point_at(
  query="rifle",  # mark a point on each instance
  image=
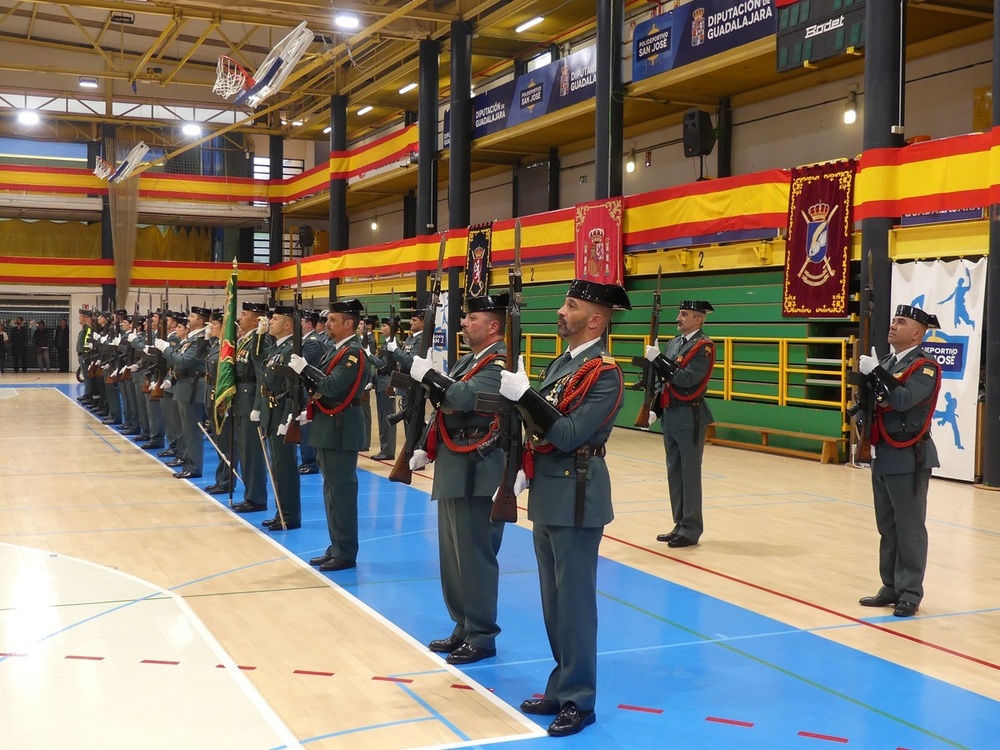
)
(160, 371)
(648, 371)
(416, 395)
(511, 438)
(862, 411)
(293, 434)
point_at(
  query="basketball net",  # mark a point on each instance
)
(230, 78)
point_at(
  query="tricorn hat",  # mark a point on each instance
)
(86, 311)
(179, 315)
(488, 303)
(204, 312)
(347, 306)
(217, 314)
(288, 310)
(256, 307)
(607, 295)
(915, 313)
(698, 305)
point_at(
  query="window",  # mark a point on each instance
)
(262, 240)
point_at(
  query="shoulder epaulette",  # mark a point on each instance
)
(607, 359)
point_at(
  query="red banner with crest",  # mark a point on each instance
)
(478, 260)
(599, 241)
(818, 251)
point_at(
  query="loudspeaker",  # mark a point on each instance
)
(305, 236)
(699, 135)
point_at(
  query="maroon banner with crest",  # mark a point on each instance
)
(818, 251)
(477, 260)
(599, 241)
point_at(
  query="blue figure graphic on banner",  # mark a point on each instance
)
(949, 415)
(962, 288)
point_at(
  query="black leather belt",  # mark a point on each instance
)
(469, 433)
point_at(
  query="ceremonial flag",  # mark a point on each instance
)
(225, 376)
(478, 261)
(599, 241)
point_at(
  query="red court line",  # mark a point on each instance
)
(733, 722)
(6, 654)
(392, 679)
(160, 661)
(310, 672)
(86, 658)
(238, 666)
(462, 687)
(643, 709)
(797, 600)
(829, 738)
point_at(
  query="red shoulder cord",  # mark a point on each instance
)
(442, 430)
(314, 401)
(577, 387)
(879, 432)
(671, 392)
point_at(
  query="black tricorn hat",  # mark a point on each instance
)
(915, 313)
(217, 314)
(607, 295)
(204, 312)
(353, 306)
(138, 320)
(288, 310)
(418, 313)
(179, 315)
(488, 303)
(372, 320)
(121, 311)
(698, 305)
(311, 315)
(86, 311)
(256, 307)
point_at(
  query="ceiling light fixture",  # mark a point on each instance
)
(88, 82)
(28, 117)
(407, 88)
(191, 129)
(327, 130)
(345, 20)
(297, 123)
(365, 110)
(528, 24)
(630, 164)
(851, 109)
(375, 224)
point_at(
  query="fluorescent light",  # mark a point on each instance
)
(326, 130)
(191, 129)
(365, 110)
(407, 88)
(28, 117)
(345, 20)
(528, 24)
(297, 123)
(88, 82)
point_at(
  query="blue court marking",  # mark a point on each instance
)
(103, 439)
(355, 730)
(661, 647)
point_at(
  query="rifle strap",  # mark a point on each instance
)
(315, 403)
(440, 429)
(670, 392)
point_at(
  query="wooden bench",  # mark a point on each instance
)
(829, 451)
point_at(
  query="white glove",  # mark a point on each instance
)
(303, 417)
(652, 351)
(418, 460)
(161, 344)
(255, 415)
(391, 345)
(419, 368)
(118, 340)
(133, 336)
(88, 346)
(521, 483)
(133, 368)
(369, 386)
(298, 363)
(262, 325)
(283, 427)
(652, 418)
(166, 383)
(866, 364)
(514, 384)
(147, 349)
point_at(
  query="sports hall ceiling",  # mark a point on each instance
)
(165, 53)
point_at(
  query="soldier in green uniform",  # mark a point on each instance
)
(385, 398)
(277, 412)
(224, 438)
(684, 369)
(310, 319)
(463, 444)
(905, 385)
(136, 341)
(250, 348)
(338, 429)
(187, 358)
(404, 357)
(174, 435)
(571, 416)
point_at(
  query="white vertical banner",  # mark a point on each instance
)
(954, 291)
(438, 352)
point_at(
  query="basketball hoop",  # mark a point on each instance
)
(231, 77)
(102, 169)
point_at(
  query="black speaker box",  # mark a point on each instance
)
(699, 135)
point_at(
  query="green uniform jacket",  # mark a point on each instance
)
(910, 406)
(451, 468)
(679, 415)
(552, 496)
(187, 359)
(247, 362)
(277, 390)
(344, 431)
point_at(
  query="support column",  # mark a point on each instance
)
(276, 171)
(724, 153)
(339, 220)
(554, 171)
(608, 127)
(883, 128)
(427, 156)
(989, 451)
(459, 163)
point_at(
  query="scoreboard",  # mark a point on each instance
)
(814, 30)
